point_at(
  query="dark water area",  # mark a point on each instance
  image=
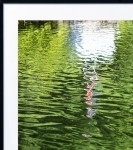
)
(75, 85)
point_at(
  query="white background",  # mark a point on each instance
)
(15, 12)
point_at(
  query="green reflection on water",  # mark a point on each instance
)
(52, 113)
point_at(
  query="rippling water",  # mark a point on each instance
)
(75, 85)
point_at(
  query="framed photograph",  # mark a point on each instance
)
(68, 76)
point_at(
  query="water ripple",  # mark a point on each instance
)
(75, 85)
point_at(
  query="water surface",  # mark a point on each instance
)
(58, 61)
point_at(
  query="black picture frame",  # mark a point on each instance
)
(1, 78)
(2, 40)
